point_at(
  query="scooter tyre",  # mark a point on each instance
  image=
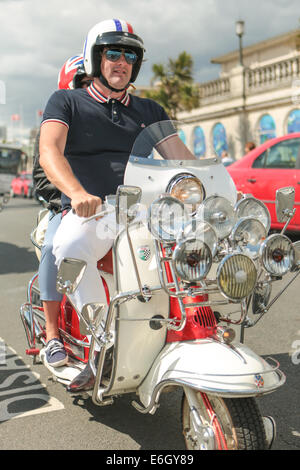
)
(238, 423)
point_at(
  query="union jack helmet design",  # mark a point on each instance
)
(113, 32)
(71, 73)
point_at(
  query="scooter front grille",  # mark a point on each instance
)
(200, 321)
(204, 316)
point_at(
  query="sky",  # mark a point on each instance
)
(36, 38)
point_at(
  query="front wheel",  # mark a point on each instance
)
(234, 423)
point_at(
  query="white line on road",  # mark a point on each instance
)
(10, 376)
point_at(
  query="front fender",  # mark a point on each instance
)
(212, 367)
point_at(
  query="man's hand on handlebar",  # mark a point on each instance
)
(85, 204)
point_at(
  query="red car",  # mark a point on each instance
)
(22, 185)
(273, 165)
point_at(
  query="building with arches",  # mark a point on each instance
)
(253, 102)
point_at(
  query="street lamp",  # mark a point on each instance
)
(240, 29)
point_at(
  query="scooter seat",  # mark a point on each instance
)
(106, 263)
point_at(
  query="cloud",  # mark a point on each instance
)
(37, 37)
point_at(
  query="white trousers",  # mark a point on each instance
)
(88, 242)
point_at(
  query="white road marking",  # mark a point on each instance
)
(14, 371)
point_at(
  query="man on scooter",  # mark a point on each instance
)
(86, 139)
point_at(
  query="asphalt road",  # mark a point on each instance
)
(37, 414)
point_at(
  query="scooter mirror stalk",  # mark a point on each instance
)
(69, 275)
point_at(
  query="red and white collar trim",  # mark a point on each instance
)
(98, 96)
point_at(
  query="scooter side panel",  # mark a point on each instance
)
(212, 367)
(138, 342)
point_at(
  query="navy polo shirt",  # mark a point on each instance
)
(101, 134)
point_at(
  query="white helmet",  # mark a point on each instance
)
(111, 33)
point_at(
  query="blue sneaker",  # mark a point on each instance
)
(56, 355)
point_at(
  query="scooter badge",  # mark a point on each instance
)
(258, 380)
(144, 252)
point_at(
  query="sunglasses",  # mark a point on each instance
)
(113, 55)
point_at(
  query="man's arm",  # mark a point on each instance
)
(58, 170)
(172, 148)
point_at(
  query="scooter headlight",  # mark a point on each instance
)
(192, 260)
(200, 230)
(167, 217)
(249, 233)
(188, 189)
(251, 207)
(219, 213)
(236, 276)
(277, 254)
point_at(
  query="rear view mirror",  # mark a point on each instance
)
(127, 197)
(69, 275)
(285, 199)
(92, 314)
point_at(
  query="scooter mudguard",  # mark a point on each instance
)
(228, 370)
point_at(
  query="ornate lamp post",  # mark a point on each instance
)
(240, 29)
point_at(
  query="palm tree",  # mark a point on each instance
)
(174, 89)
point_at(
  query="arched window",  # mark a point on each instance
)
(267, 128)
(199, 142)
(293, 123)
(182, 136)
(219, 139)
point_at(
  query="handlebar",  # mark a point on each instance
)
(98, 215)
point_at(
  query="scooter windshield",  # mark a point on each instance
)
(161, 141)
(159, 157)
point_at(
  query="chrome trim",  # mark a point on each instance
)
(180, 176)
(223, 392)
(274, 202)
(70, 338)
(28, 324)
(30, 285)
(32, 239)
(267, 308)
(174, 163)
(204, 430)
(142, 291)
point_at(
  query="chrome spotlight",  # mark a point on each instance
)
(236, 276)
(248, 234)
(218, 212)
(277, 254)
(251, 207)
(200, 230)
(188, 189)
(192, 260)
(167, 216)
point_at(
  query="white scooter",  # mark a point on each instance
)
(187, 261)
